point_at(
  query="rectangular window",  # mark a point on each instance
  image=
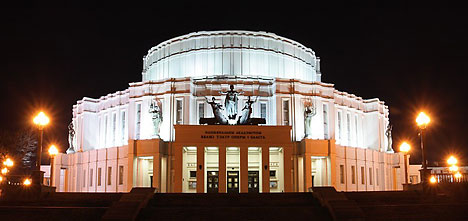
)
(114, 128)
(339, 126)
(377, 176)
(363, 177)
(325, 121)
(138, 121)
(99, 132)
(285, 112)
(90, 177)
(121, 174)
(84, 178)
(123, 131)
(356, 130)
(105, 131)
(370, 176)
(201, 110)
(179, 111)
(99, 176)
(348, 127)
(353, 174)
(342, 176)
(109, 176)
(263, 110)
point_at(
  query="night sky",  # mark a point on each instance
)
(413, 59)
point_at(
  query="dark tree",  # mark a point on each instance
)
(21, 147)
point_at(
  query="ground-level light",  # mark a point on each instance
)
(27, 182)
(433, 179)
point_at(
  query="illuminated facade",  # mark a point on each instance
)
(150, 134)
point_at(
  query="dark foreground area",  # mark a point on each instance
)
(323, 204)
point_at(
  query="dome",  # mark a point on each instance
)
(245, 53)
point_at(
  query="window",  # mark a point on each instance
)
(201, 110)
(84, 178)
(263, 110)
(105, 131)
(114, 127)
(363, 179)
(356, 130)
(121, 174)
(353, 174)
(285, 112)
(377, 176)
(109, 176)
(342, 176)
(325, 121)
(90, 177)
(99, 177)
(339, 126)
(179, 111)
(123, 131)
(99, 132)
(138, 121)
(272, 173)
(370, 176)
(348, 128)
(193, 174)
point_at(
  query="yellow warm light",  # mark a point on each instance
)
(27, 182)
(433, 179)
(453, 168)
(458, 175)
(41, 119)
(1, 178)
(53, 151)
(452, 160)
(8, 162)
(4, 170)
(405, 147)
(423, 120)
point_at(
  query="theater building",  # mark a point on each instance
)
(229, 111)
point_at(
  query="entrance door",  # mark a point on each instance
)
(253, 182)
(212, 182)
(233, 181)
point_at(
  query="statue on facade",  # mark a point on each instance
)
(246, 112)
(218, 110)
(230, 102)
(71, 137)
(156, 116)
(309, 112)
(388, 133)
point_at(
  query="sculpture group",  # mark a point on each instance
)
(228, 114)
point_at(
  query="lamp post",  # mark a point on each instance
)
(41, 120)
(53, 151)
(423, 120)
(405, 148)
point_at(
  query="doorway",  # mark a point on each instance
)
(253, 182)
(212, 182)
(233, 181)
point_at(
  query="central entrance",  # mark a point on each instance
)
(212, 182)
(233, 182)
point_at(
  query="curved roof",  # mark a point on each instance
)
(247, 53)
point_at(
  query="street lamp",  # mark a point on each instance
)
(452, 161)
(41, 120)
(423, 120)
(405, 148)
(53, 151)
(8, 162)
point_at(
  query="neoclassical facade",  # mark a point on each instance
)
(229, 111)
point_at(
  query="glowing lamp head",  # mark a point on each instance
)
(452, 160)
(4, 171)
(1, 179)
(8, 162)
(53, 151)
(27, 182)
(41, 119)
(422, 120)
(458, 175)
(453, 168)
(433, 179)
(405, 147)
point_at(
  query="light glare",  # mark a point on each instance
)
(405, 147)
(423, 120)
(53, 151)
(432, 179)
(452, 160)
(41, 119)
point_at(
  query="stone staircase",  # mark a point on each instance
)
(263, 206)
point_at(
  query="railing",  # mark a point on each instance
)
(450, 178)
